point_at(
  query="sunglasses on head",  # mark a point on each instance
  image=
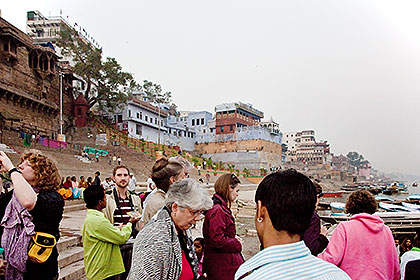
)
(234, 179)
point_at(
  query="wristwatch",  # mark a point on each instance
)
(14, 169)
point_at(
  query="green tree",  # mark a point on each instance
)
(154, 93)
(356, 160)
(105, 83)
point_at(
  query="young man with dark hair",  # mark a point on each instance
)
(102, 240)
(285, 203)
(97, 180)
(121, 208)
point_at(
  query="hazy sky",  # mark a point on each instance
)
(350, 70)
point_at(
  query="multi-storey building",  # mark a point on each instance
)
(45, 31)
(230, 116)
(29, 83)
(142, 120)
(183, 130)
(271, 126)
(302, 147)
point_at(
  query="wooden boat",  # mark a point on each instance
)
(337, 205)
(384, 198)
(393, 207)
(340, 214)
(333, 194)
(414, 197)
(411, 205)
(350, 188)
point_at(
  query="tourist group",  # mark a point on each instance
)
(126, 236)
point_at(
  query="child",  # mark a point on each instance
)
(101, 239)
(199, 247)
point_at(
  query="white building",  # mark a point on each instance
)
(302, 147)
(142, 120)
(184, 130)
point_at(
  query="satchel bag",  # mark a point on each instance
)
(40, 247)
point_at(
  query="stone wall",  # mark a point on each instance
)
(251, 154)
(29, 82)
(234, 146)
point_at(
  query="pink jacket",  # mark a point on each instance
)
(364, 248)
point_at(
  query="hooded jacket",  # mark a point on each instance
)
(364, 248)
(222, 251)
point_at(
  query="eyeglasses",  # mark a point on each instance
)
(197, 213)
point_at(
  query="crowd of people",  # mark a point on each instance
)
(73, 189)
(127, 236)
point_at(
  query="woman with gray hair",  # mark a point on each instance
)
(163, 249)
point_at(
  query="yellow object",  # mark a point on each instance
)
(65, 193)
(40, 247)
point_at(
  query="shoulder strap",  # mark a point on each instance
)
(130, 200)
(117, 199)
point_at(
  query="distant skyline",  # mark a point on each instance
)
(350, 70)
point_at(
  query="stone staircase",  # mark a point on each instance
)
(70, 260)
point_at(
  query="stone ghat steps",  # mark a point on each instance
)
(70, 260)
(75, 207)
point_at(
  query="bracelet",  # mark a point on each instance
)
(14, 169)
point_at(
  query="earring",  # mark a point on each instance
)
(259, 220)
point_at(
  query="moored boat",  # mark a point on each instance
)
(384, 198)
(414, 197)
(337, 205)
(410, 205)
(394, 208)
(333, 194)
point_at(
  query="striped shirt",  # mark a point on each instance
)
(120, 215)
(289, 261)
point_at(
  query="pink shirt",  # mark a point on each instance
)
(186, 273)
(364, 248)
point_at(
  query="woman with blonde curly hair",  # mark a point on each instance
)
(33, 207)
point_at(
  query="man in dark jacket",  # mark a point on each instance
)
(97, 180)
(315, 236)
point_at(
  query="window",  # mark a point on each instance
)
(202, 121)
(185, 134)
(141, 115)
(197, 121)
(204, 131)
(193, 122)
(231, 127)
(129, 113)
(151, 120)
(221, 129)
(161, 122)
(155, 120)
(138, 129)
(138, 115)
(146, 118)
(119, 118)
(6, 46)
